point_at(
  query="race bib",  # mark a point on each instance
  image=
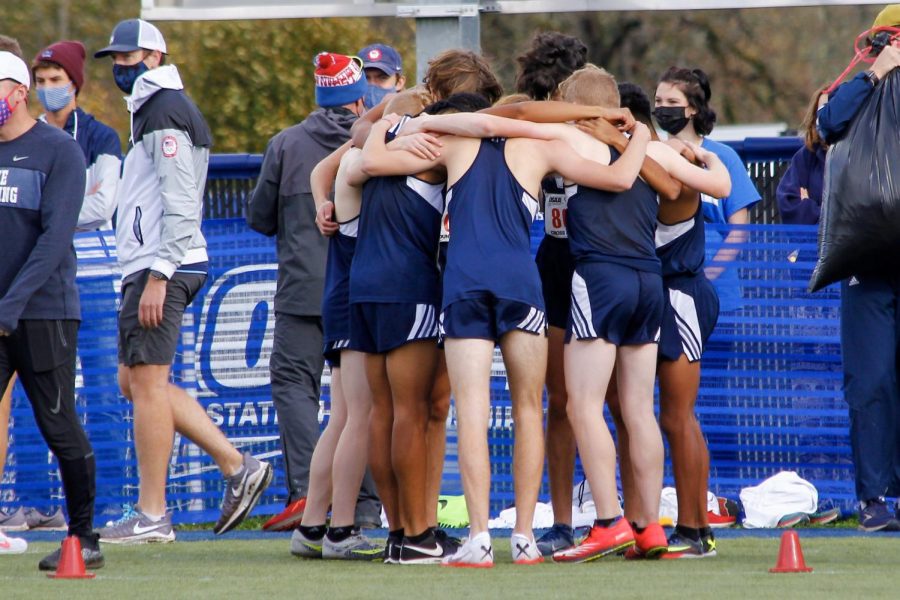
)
(555, 206)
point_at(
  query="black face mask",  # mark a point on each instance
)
(671, 119)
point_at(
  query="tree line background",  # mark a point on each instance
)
(253, 78)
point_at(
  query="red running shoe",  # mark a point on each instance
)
(599, 542)
(650, 543)
(287, 519)
(728, 511)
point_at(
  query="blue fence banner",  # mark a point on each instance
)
(770, 396)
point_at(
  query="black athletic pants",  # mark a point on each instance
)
(43, 354)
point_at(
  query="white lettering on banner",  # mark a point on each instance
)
(9, 195)
(242, 414)
(4, 175)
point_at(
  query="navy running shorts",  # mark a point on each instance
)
(556, 267)
(690, 312)
(379, 327)
(616, 303)
(490, 318)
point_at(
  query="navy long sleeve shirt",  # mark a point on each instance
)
(834, 118)
(807, 170)
(42, 179)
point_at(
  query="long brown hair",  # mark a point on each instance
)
(811, 138)
(457, 70)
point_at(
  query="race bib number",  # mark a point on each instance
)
(555, 207)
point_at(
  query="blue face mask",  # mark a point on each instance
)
(374, 95)
(126, 75)
(55, 99)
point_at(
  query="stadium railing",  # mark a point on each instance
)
(770, 396)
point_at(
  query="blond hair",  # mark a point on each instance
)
(407, 102)
(590, 86)
(512, 99)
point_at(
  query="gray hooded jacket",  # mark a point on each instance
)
(282, 205)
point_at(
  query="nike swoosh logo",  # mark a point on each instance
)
(236, 492)
(55, 411)
(437, 551)
(5, 544)
(18, 158)
(138, 530)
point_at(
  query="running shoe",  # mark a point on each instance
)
(427, 552)
(727, 515)
(14, 521)
(709, 545)
(242, 492)
(355, 547)
(525, 551)
(681, 546)
(392, 550)
(52, 522)
(305, 547)
(823, 517)
(11, 545)
(476, 552)
(649, 544)
(559, 537)
(797, 518)
(90, 553)
(287, 519)
(449, 543)
(599, 542)
(874, 515)
(452, 512)
(137, 528)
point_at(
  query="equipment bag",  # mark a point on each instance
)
(859, 230)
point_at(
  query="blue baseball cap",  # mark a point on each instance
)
(131, 35)
(381, 57)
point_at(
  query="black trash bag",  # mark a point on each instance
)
(859, 230)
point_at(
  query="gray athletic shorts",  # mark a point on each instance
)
(139, 346)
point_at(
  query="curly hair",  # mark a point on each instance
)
(694, 84)
(634, 98)
(458, 103)
(553, 56)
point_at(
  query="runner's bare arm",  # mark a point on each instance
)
(321, 183)
(551, 111)
(617, 177)
(378, 161)
(713, 180)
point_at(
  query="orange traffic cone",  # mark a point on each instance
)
(790, 556)
(71, 563)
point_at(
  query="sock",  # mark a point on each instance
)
(396, 535)
(706, 532)
(636, 528)
(688, 532)
(418, 539)
(154, 518)
(339, 534)
(238, 473)
(605, 522)
(313, 532)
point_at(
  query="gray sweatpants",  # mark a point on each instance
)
(296, 369)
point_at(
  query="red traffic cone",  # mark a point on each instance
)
(71, 563)
(790, 556)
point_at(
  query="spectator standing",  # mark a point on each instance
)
(163, 258)
(799, 192)
(41, 189)
(383, 67)
(870, 327)
(282, 205)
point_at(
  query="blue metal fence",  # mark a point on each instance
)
(770, 396)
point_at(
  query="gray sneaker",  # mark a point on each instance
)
(304, 547)
(14, 521)
(52, 522)
(355, 547)
(136, 528)
(242, 492)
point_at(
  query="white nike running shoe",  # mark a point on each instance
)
(524, 550)
(11, 545)
(137, 528)
(476, 552)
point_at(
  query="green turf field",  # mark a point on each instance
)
(844, 567)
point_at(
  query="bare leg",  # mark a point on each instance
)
(318, 495)
(411, 370)
(636, 373)
(560, 439)
(381, 424)
(5, 407)
(469, 366)
(626, 474)
(194, 423)
(589, 364)
(525, 356)
(154, 430)
(679, 382)
(352, 448)
(436, 438)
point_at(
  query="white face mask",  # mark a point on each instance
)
(54, 99)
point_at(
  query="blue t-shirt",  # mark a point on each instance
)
(718, 211)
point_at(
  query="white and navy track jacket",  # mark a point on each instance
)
(160, 195)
